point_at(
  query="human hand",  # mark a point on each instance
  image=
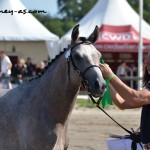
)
(106, 70)
(138, 129)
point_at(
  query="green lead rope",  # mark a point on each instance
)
(106, 99)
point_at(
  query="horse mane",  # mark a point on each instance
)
(83, 39)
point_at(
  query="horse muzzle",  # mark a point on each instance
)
(97, 89)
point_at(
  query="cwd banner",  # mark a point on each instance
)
(119, 38)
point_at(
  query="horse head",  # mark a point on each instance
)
(85, 59)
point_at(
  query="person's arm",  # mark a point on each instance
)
(9, 66)
(132, 97)
(118, 100)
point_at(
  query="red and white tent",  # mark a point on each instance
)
(120, 39)
(118, 25)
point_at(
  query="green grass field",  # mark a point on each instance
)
(84, 103)
(89, 104)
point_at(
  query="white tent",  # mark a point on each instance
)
(111, 13)
(17, 28)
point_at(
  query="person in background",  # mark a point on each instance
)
(40, 69)
(134, 71)
(30, 68)
(6, 66)
(127, 98)
(19, 71)
(122, 70)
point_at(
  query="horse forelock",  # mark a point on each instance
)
(83, 39)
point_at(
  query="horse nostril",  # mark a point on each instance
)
(104, 87)
(96, 85)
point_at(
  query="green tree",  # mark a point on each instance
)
(74, 9)
(55, 25)
(146, 8)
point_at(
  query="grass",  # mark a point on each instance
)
(84, 103)
(89, 104)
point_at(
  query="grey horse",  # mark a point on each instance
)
(35, 115)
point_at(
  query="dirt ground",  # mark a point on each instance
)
(89, 128)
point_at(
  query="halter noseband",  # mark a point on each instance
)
(82, 74)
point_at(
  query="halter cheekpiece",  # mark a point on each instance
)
(70, 59)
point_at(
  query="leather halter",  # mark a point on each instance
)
(82, 74)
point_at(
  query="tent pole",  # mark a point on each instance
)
(140, 49)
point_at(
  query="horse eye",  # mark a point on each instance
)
(77, 56)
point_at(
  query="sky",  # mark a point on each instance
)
(48, 5)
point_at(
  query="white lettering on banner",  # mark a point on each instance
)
(117, 46)
(121, 47)
(124, 36)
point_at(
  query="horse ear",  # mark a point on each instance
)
(75, 34)
(94, 36)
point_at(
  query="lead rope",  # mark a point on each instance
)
(133, 135)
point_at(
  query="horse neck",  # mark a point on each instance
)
(60, 92)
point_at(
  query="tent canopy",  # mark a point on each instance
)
(17, 26)
(119, 38)
(117, 19)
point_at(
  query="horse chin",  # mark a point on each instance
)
(96, 94)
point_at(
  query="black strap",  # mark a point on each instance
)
(76, 68)
(134, 136)
(97, 105)
(88, 69)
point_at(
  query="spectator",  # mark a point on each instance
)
(30, 68)
(122, 70)
(40, 69)
(19, 71)
(134, 69)
(134, 73)
(6, 66)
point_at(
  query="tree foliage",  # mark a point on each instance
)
(146, 8)
(71, 11)
(56, 25)
(74, 9)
